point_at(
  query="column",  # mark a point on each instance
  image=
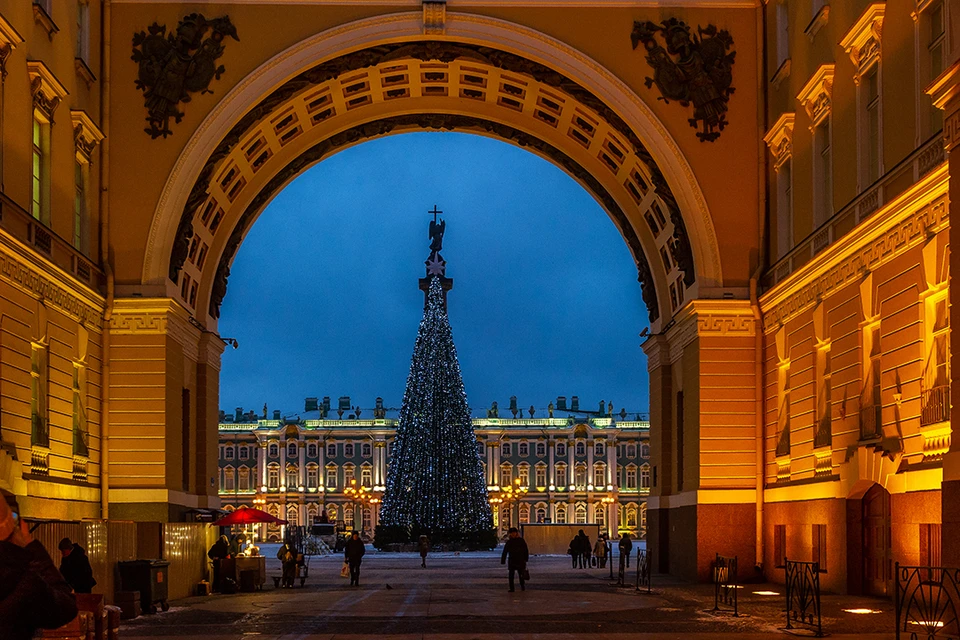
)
(302, 461)
(551, 476)
(590, 445)
(571, 470)
(490, 464)
(321, 474)
(262, 463)
(945, 92)
(611, 462)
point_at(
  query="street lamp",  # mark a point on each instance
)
(509, 495)
(361, 495)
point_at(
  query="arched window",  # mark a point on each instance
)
(644, 450)
(541, 449)
(505, 513)
(541, 476)
(581, 449)
(561, 513)
(244, 483)
(599, 476)
(243, 452)
(229, 477)
(480, 448)
(331, 476)
(348, 516)
(229, 507)
(600, 514)
(348, 449)
(273, 475)
(561, 449)
(631, 476)
(366, 450)
(292, 515)
(598, 448)
(631, 451)
(524, 513)
(541, 513)
(506, 474)
(523, 474)
(312, 450)
(312, 511)
(292, 449)
(291, 477)
(228, 452)
(331, 449)
(580, 513)
(367, 522)
(313, 473)
(349, 474)
(632, 516)
(560, 472)
(274, 450)
(643, 517)
(366, 475)
(580, 476)
(331, 512)
(505, 449)
(523, 449)
(645, 476)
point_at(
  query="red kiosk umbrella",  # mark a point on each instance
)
(248, 515)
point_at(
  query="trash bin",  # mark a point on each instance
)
(150, 578)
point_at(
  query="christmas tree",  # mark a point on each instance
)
(435, 480)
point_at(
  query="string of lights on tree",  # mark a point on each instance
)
(435, 479)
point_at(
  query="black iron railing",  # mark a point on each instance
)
(725, 584)
(927, 600)
(824, 435)
(870, 421)
(643, 571)
(935, 404)
(803, 596)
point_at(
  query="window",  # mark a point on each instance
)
(524, 513)
(83, 30)
(935, 386)
(631, 451)
(819, 546)
(643, 516)
(506, 475)
(292, 480)
(871, 403)
(229, 478)
(312, 450)
(80, 206)
(645, 450)
(367, 519)
(228, 453)
(779, 545)
(600, 514)
(244, 452)
(505, 449)
(541, 475)
(631, 516)
(348, 517)
(541, 449)
(783, 411)
(39, 387)
(523, 473)
(348, 450)
(580, 513)
(561, 449)
(931, 554)
(822, 173)
(331, 512)
(366, 476)
(581, 449)
(40, 191)
(274, 450)
(273, 476)
(366, 450)
(785, 207)
(332, 450)
(580, 476)
(332, 477)
(541, 513)
(560, 474)
(523, 449)
(291, 449)
(80, 435)
(561, 514)
(869, 89)
(619, 477)
(631, 477)
(599, 475)
(349, 475)
(823, 436)
(313, 473)
(931, 46)
(783, 33)
(598, 449)
(645, 476)
(244, 483)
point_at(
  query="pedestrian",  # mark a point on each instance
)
(574, 550)
(287, 556)
(626, 547)
(353, 553)
(424, 544)
(584, 549)
(75, 566)
(600, 552)
(33, 594)
(516, 549)
(218, 553)
(236, 545)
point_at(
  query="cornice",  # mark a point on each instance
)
(817, 95)
(780, 138)
(156, 316)
(862, 41)
(86, 134)
(48, 92)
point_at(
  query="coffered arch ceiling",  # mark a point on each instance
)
(416, 84)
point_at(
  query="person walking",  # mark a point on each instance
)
(353, 554)
(424, 544)
(287, 556)
(584, 550)
(75, 566)
(600, 552)
(218, 553)
(516, 549)
(33, 594)
(574, 550)
(626, 547)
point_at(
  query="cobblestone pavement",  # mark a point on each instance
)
(466, 597)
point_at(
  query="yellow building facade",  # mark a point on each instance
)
(791, 237)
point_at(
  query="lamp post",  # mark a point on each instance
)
(360, 495)
(508, 495)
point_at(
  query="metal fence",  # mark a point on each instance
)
(643, 571)
(803, 596)
(725, 584)
(926, 600)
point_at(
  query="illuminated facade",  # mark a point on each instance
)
(592, 470)
(799, 348)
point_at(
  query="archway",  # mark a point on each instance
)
(382, 76)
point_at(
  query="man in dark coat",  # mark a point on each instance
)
(33, 594)
(75, 566)
(219, 552)
(584, 549)
(353, 555)
(516, 549)
(287, 555)
(626, 547)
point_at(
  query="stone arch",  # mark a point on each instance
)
(605, 125)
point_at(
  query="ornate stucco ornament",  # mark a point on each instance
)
(701, 73)
(172, 66)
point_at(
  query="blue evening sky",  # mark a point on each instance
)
(323, 294)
